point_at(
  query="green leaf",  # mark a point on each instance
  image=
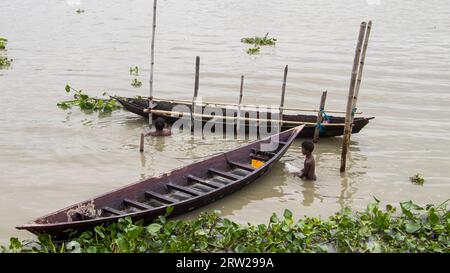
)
(274, 218)
(122, 244)
(99, 231)
(287, 214)
(240, 249)
(73, 247)
(154, 228)
(15, 244)
(434, 218)
(168, 211)
(412, 227)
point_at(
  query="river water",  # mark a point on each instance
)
(50, 158)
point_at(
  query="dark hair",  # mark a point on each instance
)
(308, 145)
(159, 124)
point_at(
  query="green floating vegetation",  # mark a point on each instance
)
(253, 50)
(3, 42)
(80, 11)
(257, 42)
(136, 83)
(260, 41)
(5, 62)
(134, 71)
(417, 179)
(413, 229)
(85, 102)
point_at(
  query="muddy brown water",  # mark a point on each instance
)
(50, 158)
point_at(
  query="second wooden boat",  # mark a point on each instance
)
(184, 189)
(334, 127)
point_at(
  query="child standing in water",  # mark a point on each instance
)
(159, 129)
(309, 168)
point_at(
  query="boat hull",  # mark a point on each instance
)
(61, 224)
(137, 107)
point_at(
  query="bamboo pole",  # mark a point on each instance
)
(194, 98)
(141, 145)
(243, 106)
(361, 64)
(241, 92)
(180, 114)
(348, 114)
(283, 93)
(152, 63)
(320, 117)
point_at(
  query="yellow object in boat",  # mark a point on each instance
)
(256, 163)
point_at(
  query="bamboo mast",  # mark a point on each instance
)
(320, 117)
(152, 63)
(241, 92)
(361, 65)
(348, 115)
(194, 98)
(283, 93)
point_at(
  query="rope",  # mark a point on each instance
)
(325, 117)
(321, 127)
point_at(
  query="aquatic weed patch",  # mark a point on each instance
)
(412, 229)
(136, 83)
(417, 179)
(84, 102)
(257, 42)
(3, 42)
(5, 62)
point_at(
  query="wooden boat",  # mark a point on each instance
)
(184, 189)
(335, 126)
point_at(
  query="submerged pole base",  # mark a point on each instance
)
(141, 145)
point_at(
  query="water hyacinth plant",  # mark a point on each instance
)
(257, 42)
(85, 102)
(134, 71)
(253, 50)
(5, 62)
(413, 228)
(417, 179)
(260, 41)
(3, 42)
(136, 83)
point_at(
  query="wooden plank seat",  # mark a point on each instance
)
(112, 211)
(183, 189)
(246, 167)
(137, 204)
(256, 151)
(160, 197)
(202, 181)
(225, 174)
(258, 157)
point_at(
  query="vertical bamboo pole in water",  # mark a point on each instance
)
(241, 92)
(141, 145)
(194, 98)
(152, 62)
(349, 110)
(283, 93)
(361, 64)
(320, 117)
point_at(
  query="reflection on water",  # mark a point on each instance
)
(51, 158)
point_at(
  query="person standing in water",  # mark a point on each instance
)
(309, 167)
(159, 129)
